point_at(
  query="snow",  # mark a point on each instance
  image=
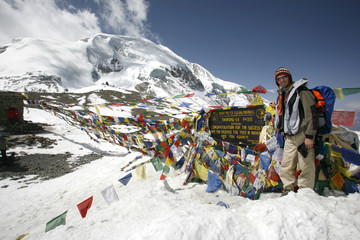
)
(147, 209)
(119, 61)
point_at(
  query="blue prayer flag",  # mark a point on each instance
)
(265, 162)
(349, 186)
(350, 156)
(125, 179)
(214, 182)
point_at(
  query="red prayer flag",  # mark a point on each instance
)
(166, 153)
(343, 118)
(216, 107)
(85, 206)
(259, 89)
(117, 104)
(163, 176)
(251, 177)
(190, 95)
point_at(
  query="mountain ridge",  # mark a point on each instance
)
(136, 64)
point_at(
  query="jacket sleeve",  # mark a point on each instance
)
(308, 103)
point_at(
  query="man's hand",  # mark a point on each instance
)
(309, 143)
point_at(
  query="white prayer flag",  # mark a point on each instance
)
(110, 195)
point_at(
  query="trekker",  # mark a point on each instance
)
(294, 120)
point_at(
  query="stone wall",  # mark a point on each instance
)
(10, 100)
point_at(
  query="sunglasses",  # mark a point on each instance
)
(281, 78)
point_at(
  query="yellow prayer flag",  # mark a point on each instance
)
(333, 153)
(168, 161)
(338, 93)
(98, 113)
(273, 183)
(257, 100)
(200, 172)
(338, 181)
(140, 172)
(208, 148)
(345, 172)
(270, 110)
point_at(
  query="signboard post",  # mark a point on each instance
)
(237, 126)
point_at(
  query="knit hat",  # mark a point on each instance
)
(282, 71)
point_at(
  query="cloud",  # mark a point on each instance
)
(71, 20)
(124, 17)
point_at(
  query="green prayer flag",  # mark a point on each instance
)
(59, 220)
(348, 91)
(157, 164)
(247, 186)
(179, 96)
(244, 91)
(166, 169)
(159, 148)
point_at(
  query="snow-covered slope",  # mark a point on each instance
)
(147, 209)
(135, 64)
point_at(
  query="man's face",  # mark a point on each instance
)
(283, 81)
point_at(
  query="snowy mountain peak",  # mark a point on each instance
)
(130, 63)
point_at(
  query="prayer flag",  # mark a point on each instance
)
(214, 182)
(251, 178)
(85, 206)
(185, 104)
(179, 96)
(98, 113)
(343, 118)
(348, 91)
(259, 89)
(257, 100)
(335, 150)
(338, 180)
(189, 95)
(201, 172)
(159, 99)
(142, 105)
(126, 179)
(223, 204)
(350, 187)
(163, 176)
(350, 156)
(156, 163)
(110, 195)
(250, 194)
(140, 172)
(265, 162)
(180, 163)
(170, 158)
(159, 148)
(232, 149)
(166, 169)
(59, 220)
(338, 93)
(272, 174)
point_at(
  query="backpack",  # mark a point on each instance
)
(325, 101)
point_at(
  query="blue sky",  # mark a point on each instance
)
(240, 41)
(245, 41)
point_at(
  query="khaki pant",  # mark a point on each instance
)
(291, 159)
